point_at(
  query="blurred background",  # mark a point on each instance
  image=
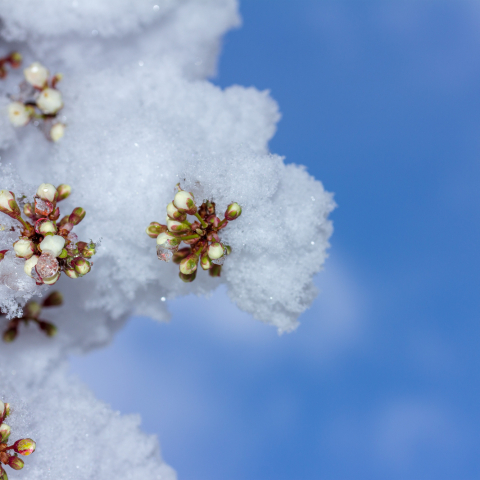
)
(381, 102)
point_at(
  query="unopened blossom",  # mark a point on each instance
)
(51, 280)
(53, 244)
(201, 234)
(45, 227)
(7, 202)
(184, 202)
(24, 248)
(234, 210)
(5, 431)
(57, 132)
(46, 191)
(30, 264)
(174, 213)
(36, 74)
(215, 251)
(18, 114)
(50, 101)
(25, 446)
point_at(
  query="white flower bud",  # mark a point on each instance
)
(174, 214)
(234, 210)
(46, 191)
(29, 264)
(57, 132)
(189, 264)
(18, 114)
(177, 227)
(24, 248)
(51, 280)
(47, 227)
(53, 244)
(5, 197)
(168, 241)
(50, 101)
(184, 202)
(215, 250)
(36, 74)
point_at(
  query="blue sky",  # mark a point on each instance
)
(381, 101)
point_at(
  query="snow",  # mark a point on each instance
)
(141, 116)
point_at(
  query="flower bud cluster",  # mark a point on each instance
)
(9, 453)
(31, 313)
(201, 234)
(14, 59)
(48, 244)
(39, 100)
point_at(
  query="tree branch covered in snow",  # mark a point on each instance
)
(142, 117)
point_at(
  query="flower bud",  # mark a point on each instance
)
(189, 264)
(168, 241)
(30, 264)
(52, 244)
(81, 266)
(53, 300)
(18, 114)
(24, 248)
(2, 409)
(175, 214)
(64, 191)
(24, 446)
(29, 210)
(77, 216)
(155, 229)
(51, 280)
(5, 431)
(48, 328)
(187, 278)
(215, 250)
(7, 409)
(45, 227)
(205, 261)
(15, 59)
(15, 463)
(233, 211)
(3, 474)
(9, 335)
(57, 131)
(2, 254)
(46, 191)
(36, 74)
(215, 271)
(70, 272)
(184, 202)
(8, 204)
(177, 227)
(181, 254)
(50, 101)
(88, 251)
(32, 310)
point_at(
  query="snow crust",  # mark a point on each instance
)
(141, 116)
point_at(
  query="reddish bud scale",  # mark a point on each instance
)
(77, 216)
(15, 463)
